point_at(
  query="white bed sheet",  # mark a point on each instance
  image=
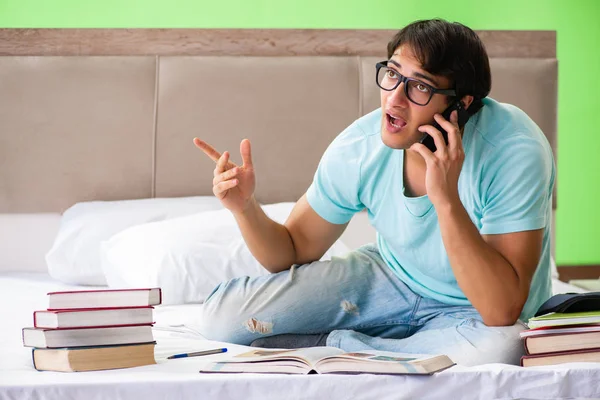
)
(23, 293)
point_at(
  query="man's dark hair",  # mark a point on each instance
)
(452, 50)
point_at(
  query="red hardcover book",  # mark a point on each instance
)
(104, 298)
(93, 317)
(590, 355)
(559, 342)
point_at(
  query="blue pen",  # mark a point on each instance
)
(198, 353)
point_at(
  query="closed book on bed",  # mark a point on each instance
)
(549, 341)
(564, 319)
(590, 355)
(93, 317)
(104, 298)
(93, 358)
(81, 337)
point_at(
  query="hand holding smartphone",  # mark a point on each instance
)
(463, 117)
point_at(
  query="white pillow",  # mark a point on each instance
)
(189, 256)
(75, 256)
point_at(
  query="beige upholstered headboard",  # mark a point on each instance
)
(110, 114)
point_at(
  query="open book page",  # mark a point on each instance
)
(295, 361)
(384, 362)
(308, 356)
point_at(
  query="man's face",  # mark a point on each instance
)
(401, 117)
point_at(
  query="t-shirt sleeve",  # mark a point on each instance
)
(517, 186)
(334, 192)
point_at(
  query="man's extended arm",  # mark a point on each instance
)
(304, 237)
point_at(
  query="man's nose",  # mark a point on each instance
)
(398, 96)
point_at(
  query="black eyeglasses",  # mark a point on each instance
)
(416, 91)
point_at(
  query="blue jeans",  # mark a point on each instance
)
(363, 304)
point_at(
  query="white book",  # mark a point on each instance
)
(104, 298)
(95, 317)
(80, 337)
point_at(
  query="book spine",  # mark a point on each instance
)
(33, 358)
(23, 336)
(525, 345)
(35, 319)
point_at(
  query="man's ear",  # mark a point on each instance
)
(466, 101)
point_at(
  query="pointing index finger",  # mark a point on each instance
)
(207, 149)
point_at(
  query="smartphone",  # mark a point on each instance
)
(463, 117)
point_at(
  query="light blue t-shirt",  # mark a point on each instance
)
(505, 186)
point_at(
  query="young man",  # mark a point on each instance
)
(463, 244)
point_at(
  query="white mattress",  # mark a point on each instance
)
(23, 293)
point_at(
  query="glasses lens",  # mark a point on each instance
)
(418, 92)
(387, 78)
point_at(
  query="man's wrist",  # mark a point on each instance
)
(248, 210)
(448, 206)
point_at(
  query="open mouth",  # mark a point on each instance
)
(396, 122)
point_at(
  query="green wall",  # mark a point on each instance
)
(576, 21)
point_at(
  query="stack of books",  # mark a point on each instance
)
(94, 330)
(558, 338)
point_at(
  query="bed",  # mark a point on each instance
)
(88, 115)
(23, 292)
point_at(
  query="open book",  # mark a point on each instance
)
(325, 360)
